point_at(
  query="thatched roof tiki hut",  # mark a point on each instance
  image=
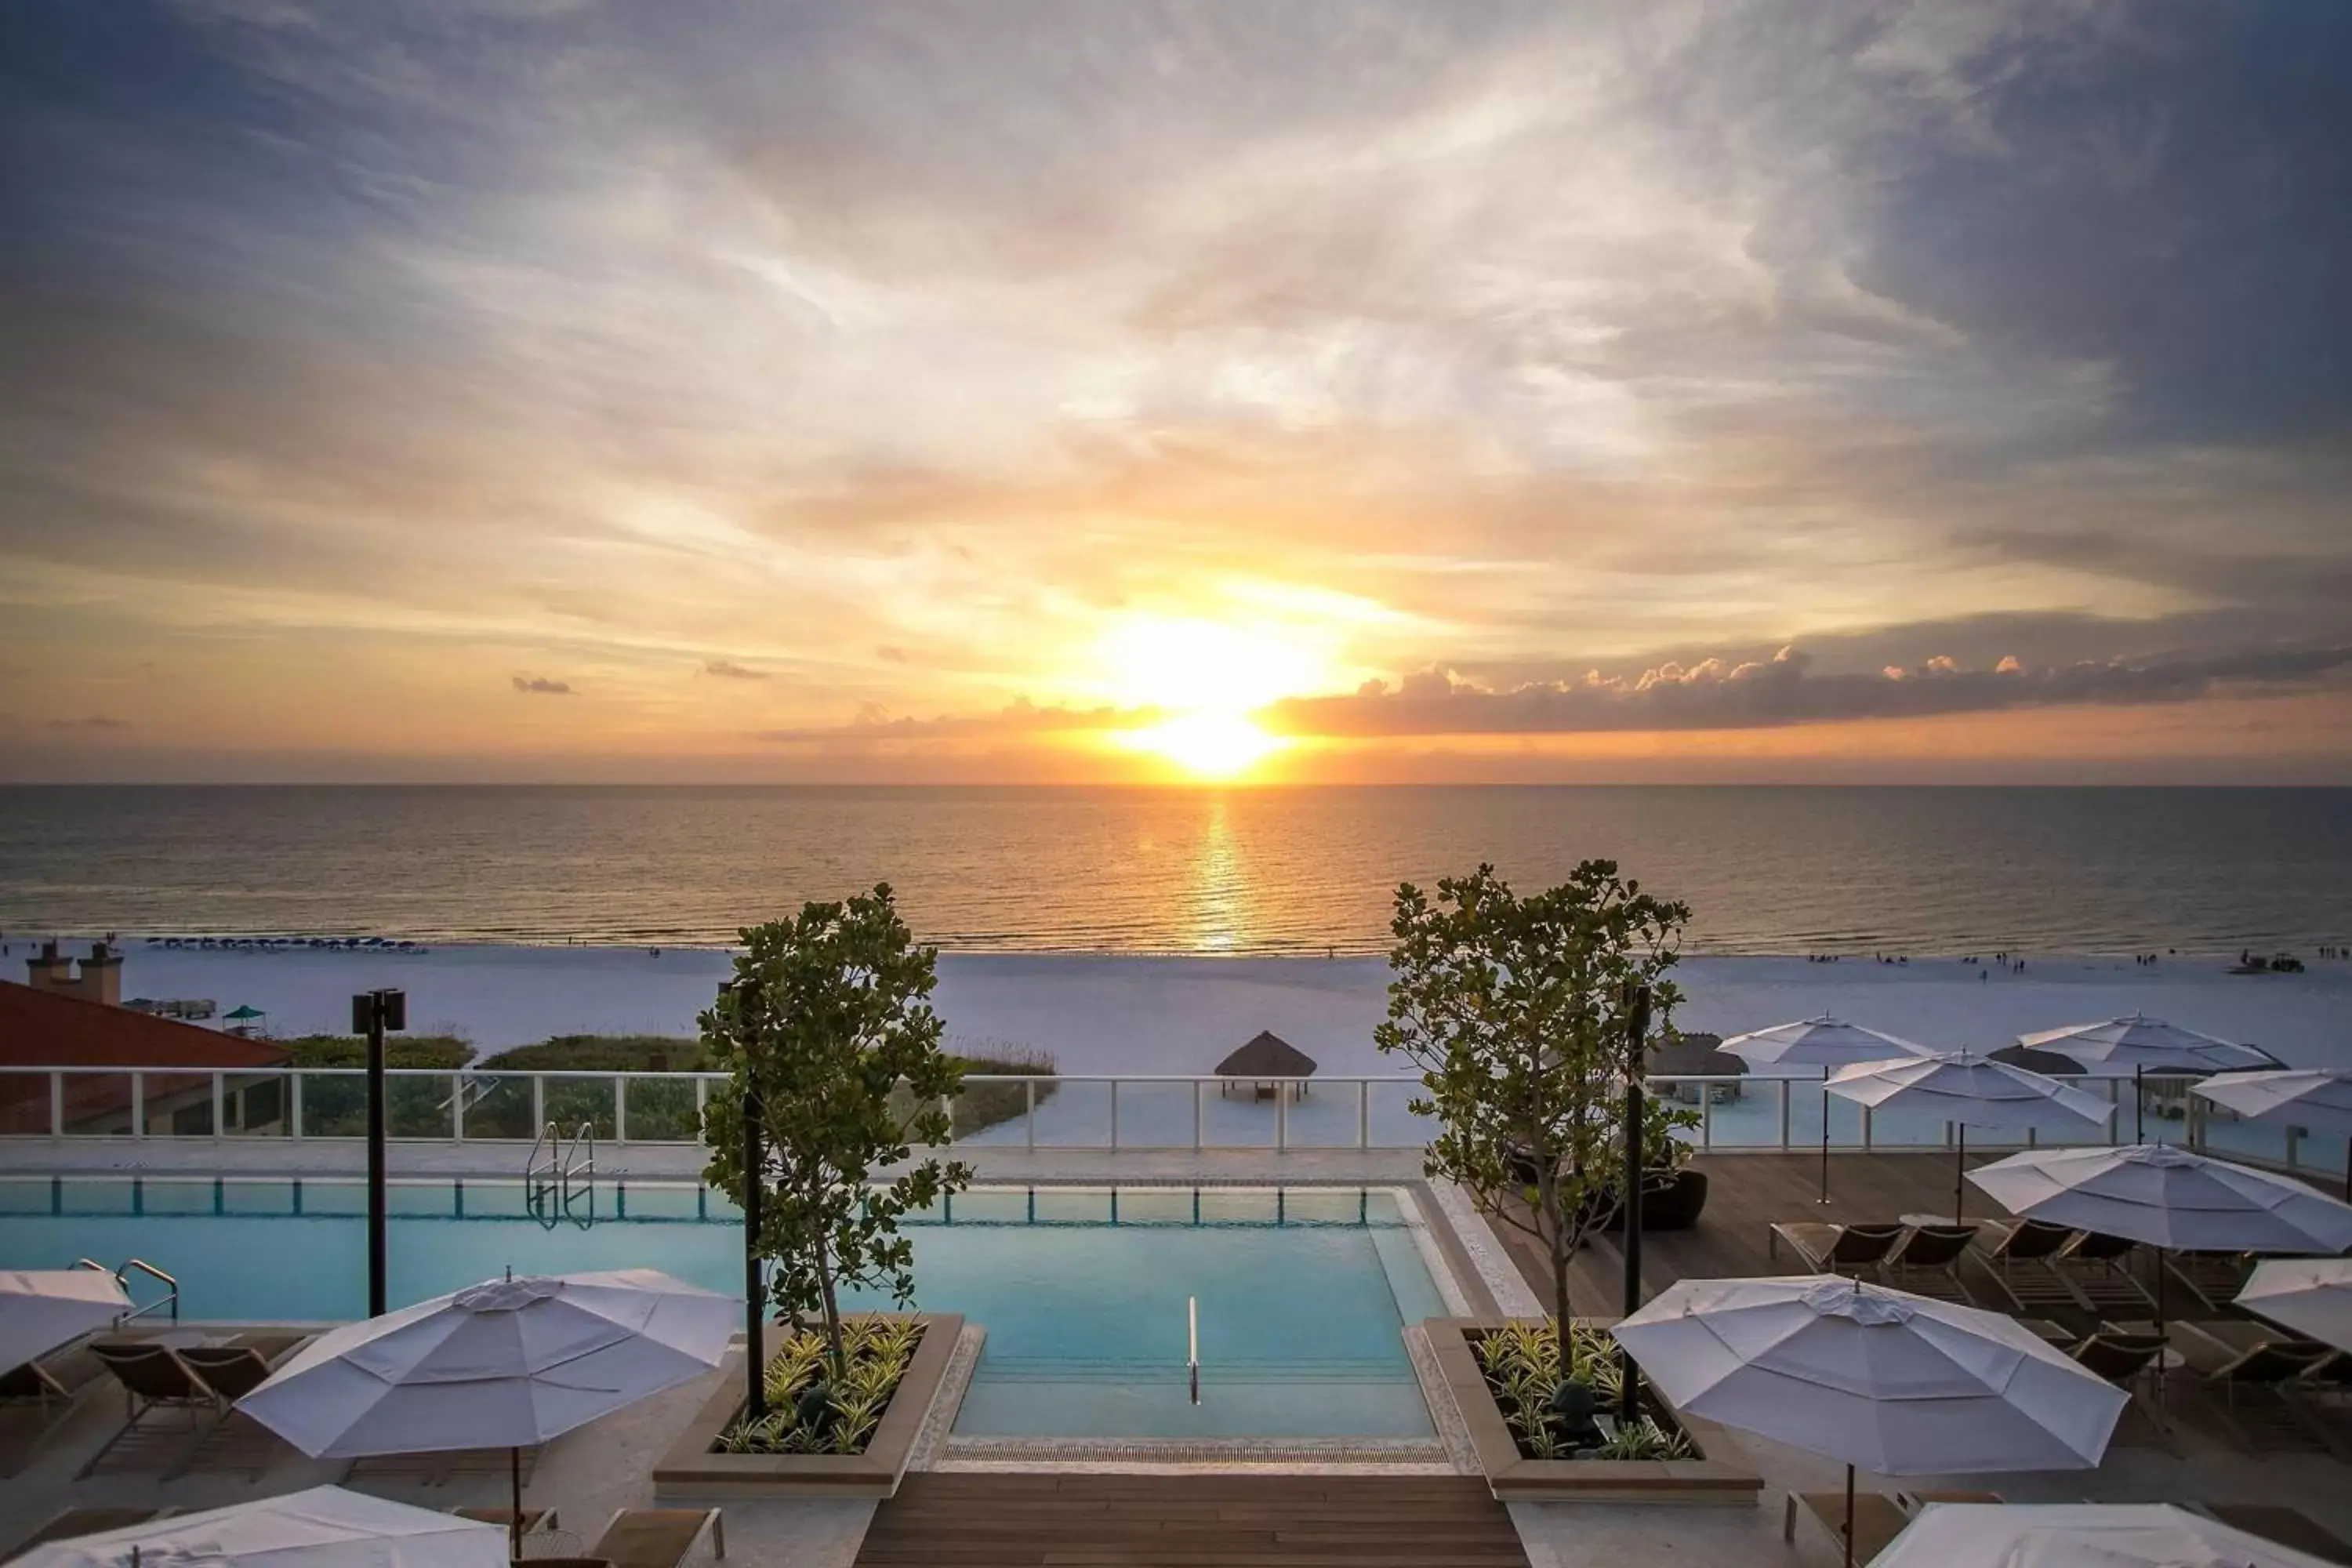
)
(1263, 1063)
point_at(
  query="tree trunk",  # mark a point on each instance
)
(839, 1354)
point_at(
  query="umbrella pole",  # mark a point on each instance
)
(2139, 1102)
(1959, 1171)
(2347, 1170)
(1848, 1531)
(514, 1525)
(1825, 1141)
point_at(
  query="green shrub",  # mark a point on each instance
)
(880, 1350)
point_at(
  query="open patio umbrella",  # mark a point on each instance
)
(2168, 1197)
(41, 1310)
(1881, 1378)
(2313, 1101)
(1962, 1089)
(325, 1527)
(1825, 1043)
(2135, 1047)
(509, 1364)
(2310, 1295)
(2080, 1535)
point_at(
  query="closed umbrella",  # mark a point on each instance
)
(2168, 1197)
(1962, 1089)
(505, 1365)
(325, 1527)
(2135, 1047)
(2080, 1535)
(2313, 1101)
(1881, 1378)
(42, 1309)
(2310, 1295)
(1825, 1043)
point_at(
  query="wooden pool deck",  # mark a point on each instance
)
(947, 1520)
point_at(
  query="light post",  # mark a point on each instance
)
(755, 1283)
(373, 1012)
(1637, 1043)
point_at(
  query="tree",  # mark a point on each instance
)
(828, 1015)
(1511, 1009)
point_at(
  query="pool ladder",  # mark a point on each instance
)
(167, 1303)
(561, 1172)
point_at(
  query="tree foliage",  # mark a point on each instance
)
(827, 1013)
(1513, 1010)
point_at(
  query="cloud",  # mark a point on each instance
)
(1020, 718)
(727, 670)
(542, 686)
(96, 723)
(1716, 695)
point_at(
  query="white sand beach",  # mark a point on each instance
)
(1107, 1015)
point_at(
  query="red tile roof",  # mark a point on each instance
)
(40, 1029)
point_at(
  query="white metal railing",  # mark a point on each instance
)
(1039, 1111)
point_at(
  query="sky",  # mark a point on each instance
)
(1108, 392)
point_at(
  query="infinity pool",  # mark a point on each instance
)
(1302, 1292)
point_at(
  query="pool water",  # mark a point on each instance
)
(1301, 1293)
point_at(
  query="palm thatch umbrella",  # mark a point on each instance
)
(1265, 1057)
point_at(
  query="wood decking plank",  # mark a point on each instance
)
(965, 1519)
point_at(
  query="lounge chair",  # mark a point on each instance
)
(236, 1442)
(648, 1537)
(76, 1522)
(156, 1383)
(1850, 1249)
(2212, 1278)
(1927, 1261)
(2239, 1359)
(37, 1396)
(2018, 1253)
(2098, 1268)
(2289, 1526)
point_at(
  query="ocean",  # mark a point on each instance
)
(1201, 872)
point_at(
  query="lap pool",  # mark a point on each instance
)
(1302, 1292)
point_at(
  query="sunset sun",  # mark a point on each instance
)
(1208, 676)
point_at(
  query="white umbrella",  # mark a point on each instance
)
(1825, 1043)
(2310, 1295)
(2080, 1535)
(504, 1365)
(41, 1310)
(325, 1527)
(2168, 1197)
(1964, 1090)
(2134, 1046)
(2313, 1101)
(1878, 1378)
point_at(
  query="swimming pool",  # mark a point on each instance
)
(1302, 1292)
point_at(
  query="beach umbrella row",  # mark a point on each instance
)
(509, 1364)
(1872, 1377)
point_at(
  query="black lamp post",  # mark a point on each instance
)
(755, 1282)
(1637, 1043)
(373, 1012)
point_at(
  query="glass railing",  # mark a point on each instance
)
(1069, 1111)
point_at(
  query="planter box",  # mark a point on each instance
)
(691, 1472)
(1512, 1478)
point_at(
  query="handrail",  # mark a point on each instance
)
(573, 1165)
(548, 1139)
(171, 1298)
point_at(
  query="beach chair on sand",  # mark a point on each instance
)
(1850, 1249)
(1927, 1261)
(2017, 1253)
(76, 1522)
(650, 1537)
